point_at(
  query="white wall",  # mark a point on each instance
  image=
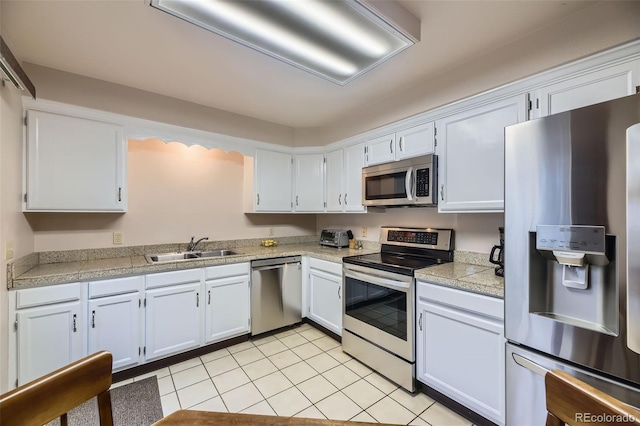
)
(473, 232)
(175, 192)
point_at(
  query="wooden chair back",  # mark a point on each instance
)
(573, 402)
(52, 396)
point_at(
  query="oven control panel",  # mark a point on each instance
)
(440, 239)
(421, 237)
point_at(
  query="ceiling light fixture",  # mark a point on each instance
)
(336, 40)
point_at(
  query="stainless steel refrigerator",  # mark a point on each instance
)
(572, 253)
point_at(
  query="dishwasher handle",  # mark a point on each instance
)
(277, 262)
(267, 268)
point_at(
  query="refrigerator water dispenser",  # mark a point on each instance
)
(573, 278)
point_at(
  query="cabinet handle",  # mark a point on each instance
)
(401, 137)
(339, 292)
(442, 192)
(120, 194)
(75, 323)
(391, 146)
(93, 319)
(258, 203)
(345, 199)
(340, 199)
(209, 301)
(420, 321)
(296, 200)
(197, 300)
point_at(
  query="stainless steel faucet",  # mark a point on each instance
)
(192, 245)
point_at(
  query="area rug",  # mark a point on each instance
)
(134, 404)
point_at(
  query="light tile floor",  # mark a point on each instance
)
(300, 372)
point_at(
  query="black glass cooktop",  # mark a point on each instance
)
(398, 263)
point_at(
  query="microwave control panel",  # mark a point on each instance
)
(422, 182)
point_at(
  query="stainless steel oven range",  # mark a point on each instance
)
(379, 299)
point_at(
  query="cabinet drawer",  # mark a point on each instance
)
(116, 286)
(223, 271)
(172, 278)
(46, 295)
(326, 266)
(461, 299)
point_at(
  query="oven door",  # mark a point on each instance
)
(379, 307)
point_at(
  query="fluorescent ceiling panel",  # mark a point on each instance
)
(336, 40)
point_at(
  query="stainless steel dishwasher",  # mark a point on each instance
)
(276, 293)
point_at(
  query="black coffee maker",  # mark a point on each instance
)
(498, 258)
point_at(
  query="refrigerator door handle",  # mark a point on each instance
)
(529, 365)
(633, 238)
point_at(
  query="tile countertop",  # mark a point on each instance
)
(469, 272)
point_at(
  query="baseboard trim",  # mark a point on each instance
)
(325, 330)
(471, 415)
(173, 359)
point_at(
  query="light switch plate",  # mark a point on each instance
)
(8, 250)
(117, 238)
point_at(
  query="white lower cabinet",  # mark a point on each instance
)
(460, 348)
(49, 328)
(172, 316)
(227, 312)
(325, 294)
(115, 319)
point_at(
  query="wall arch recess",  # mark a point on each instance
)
(141, 129)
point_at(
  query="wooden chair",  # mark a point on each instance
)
(52, 396)
(570, 400)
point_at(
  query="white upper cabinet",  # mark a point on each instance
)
(470, 147)
(352, 178)
(599, 85)
(344, 179)
(268, 188)
(309, 183)
(407, 143)
(415, 141)
(335, 177)
(74, 164)
(381, 150)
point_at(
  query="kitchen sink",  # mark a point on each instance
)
(189, 255)
(217, 253)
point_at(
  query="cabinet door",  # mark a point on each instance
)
(273, 181)
(227, 308)
(381, 150)
(325, 300)
(74, 164)
(415, 141)
(353, 164)
(471, 156)
(588, 89)
(334, 171)
(49, 337)
(114, 326)
(461, 354)
(172, 320)
(309, 183)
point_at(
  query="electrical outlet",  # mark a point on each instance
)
(272, 232)
(117, 238)
(8, 250)
(364, 232)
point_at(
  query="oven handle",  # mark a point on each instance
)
(378, 280)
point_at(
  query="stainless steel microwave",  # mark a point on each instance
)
(411, 182)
